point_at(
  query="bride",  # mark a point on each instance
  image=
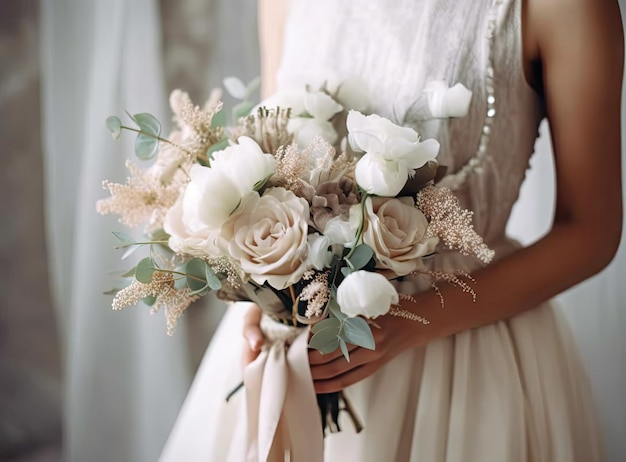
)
(494, 380)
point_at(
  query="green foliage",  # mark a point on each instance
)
(219, 119)
(211, 278)
(235, 87)
(326, 335)
(114, 124)
(358, 332)
(149, 300)
(144, 270)
(361, 256)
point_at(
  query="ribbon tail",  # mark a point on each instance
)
(301, 412)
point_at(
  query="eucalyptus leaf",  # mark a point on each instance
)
(211, 279)
(129, 251)
(235, 87)
(328, 323)
(346, 270)
(252, 87)
(363, 253)
(242, 109)
(129, 274)
(114, 124)
(219, 119)
(325, 341)
(125, 240)
(111, 292)
(149, 300)
(146, 146)
(144, 270)
(334, 308)
(358, 332)
(148, 123)
(344, 349)
(195, 270)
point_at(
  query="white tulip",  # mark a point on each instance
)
(364, 293)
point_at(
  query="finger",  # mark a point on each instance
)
(341, 366)
(315, 357)
(349, 378)
(248, 354)
(252, 330)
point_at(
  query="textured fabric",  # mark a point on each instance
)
(511, 391)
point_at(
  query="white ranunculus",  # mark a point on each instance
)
(320, 257)
(209, 199)
(392, 153)
(199, 243)
(244, 163)
(447, 102)
(396, 230)
(364, 293)
(269, 238)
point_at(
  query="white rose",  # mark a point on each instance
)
(364, 293)
(392, 153)
(244, 163)
(199, 243)
(269, 238)
(396, 230)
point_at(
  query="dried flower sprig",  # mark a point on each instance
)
(451, 223)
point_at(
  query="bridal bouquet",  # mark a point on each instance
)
(307, 205)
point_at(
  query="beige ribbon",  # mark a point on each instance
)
(283, 417)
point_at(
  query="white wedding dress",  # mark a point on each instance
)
(507, 392)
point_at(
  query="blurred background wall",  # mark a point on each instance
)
(201, 42)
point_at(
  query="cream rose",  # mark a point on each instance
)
(396, 230)
(269, 238)
(364, 293)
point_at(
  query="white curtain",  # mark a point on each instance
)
(125, 379)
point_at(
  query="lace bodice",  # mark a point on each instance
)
(397, 47)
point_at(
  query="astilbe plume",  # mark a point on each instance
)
(143, 199)
(174, 301)
(451, 223)
(195, 123)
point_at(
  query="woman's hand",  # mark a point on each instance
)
(392, 335)
(253, 337)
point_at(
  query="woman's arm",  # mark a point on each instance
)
(579, 44)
